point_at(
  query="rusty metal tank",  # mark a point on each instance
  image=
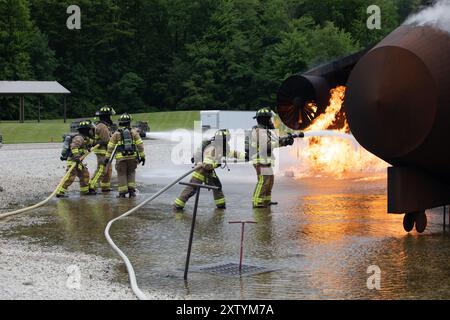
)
(398, 99)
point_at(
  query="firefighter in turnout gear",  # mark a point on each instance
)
(79, 145)
(263, 142)
(102, 136)
(213, 156)
(129, 152)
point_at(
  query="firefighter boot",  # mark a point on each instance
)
(61, 195)
(91, 192)
(177, 209)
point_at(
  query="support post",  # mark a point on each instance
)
(241, 257)
(39, 110)
(191, 236)
(241, 254)
(197, 187)
(65, 109)
(22, 109)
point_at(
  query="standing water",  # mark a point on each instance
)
(321, 238)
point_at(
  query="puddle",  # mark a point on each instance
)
(320, 239)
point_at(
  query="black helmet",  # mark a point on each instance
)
(86, 128)
(85, 125)
(263, 113)
(105, 111)
(125, 120)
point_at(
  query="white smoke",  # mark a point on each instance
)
(437, 15)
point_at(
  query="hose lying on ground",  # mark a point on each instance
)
(40, 204)
(132, 275)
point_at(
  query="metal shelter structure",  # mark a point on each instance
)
(32, 88)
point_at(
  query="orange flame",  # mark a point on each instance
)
(335, 156)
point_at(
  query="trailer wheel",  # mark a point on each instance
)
(421, 221)
(418, 218)
(408, 222)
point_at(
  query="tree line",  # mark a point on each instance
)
(158, 55)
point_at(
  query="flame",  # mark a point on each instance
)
(334, 156)
(326, 119)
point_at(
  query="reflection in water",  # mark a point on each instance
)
(263, 229)
(331, 218)
(321, 238)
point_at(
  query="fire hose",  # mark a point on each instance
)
(130, 269)
(40, 204)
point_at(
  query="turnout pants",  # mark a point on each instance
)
(262, 196)
(201, 176)
(102, 175)
(79, 171)
(126, 174)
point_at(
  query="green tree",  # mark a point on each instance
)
(302, 47)
(225, 62)
(390, 19)
(128, 93)
(15, 30)
(163, 54)
(24, 50)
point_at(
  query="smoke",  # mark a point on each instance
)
(438, 16)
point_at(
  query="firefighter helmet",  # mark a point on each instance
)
(263, 113)
(125, 120)
(223, 134)
(85, 124)
(106, 111)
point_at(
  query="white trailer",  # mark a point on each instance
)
(233, 120)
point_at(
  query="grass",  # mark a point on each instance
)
(52, 130)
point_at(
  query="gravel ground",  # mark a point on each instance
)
(29, 172)
(30, 271)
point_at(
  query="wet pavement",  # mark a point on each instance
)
(321, 239)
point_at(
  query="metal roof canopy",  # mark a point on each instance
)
(23, 88)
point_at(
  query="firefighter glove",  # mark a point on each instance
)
(286, 141)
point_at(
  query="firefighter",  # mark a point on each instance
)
(80, 144)
(129, 152)
(102, 136)
(213, 155)
(263, 142)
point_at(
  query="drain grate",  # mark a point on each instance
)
(232, 269)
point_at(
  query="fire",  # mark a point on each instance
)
(338, 154)
(328, 118)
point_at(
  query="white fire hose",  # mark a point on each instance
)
(131, 273)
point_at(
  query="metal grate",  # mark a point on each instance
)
(232, 269)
